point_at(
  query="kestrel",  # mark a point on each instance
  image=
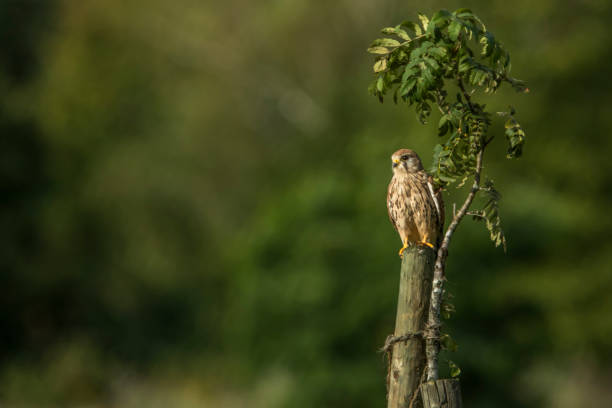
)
(415, 209)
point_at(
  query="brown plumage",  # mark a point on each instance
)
(415, 209)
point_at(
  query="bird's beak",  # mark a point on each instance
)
(395, 163)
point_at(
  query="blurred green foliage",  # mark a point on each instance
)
(193, 207)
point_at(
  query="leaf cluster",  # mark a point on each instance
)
(442, 62)
(419, 56)
(515, 135)
(490, 214)
(418, 62)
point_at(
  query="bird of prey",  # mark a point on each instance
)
(415, 208)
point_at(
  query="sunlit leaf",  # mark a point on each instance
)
(424, 21)
(380, 84)
(397, 31)
(455, 371)
(378, 50)
(380, 65)
(385, 42)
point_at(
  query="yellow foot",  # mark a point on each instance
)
(402, 249)
(426, 244)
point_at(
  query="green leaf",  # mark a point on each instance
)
(406, 87)
(490, 212)
(437, 52)
(432, 63)
(378, 50)
(415, 57)
(424, 21)
(454, 369)
(443, 120)
(437, 150)
(408, 72)
(386, 42)
(447, 179)
(402, 34)
(380, 65)
(380, 84)
(428, 77)
(448, 343)
(465, 64)
(488, 44)
(397, 31)
(454, 29)
(443, 125)
(439, 17)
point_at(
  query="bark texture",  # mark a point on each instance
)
(441, 394)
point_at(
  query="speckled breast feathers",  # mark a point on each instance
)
(415, 209)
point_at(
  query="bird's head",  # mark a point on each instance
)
(405, 161)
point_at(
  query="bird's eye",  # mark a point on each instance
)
(405, 157)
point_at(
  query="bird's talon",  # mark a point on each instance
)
(427, 244)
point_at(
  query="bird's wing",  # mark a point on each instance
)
(390, 203)
(437, 199)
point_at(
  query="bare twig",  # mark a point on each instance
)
(433, 320)
(476, 214)
(441, 102)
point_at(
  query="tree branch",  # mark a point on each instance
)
(465, 94)
(432, 333)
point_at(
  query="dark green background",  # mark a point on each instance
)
(193, 207)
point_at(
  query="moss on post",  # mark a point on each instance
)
(408, 356)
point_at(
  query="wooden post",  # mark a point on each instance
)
(408, 357)
(441, 394)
